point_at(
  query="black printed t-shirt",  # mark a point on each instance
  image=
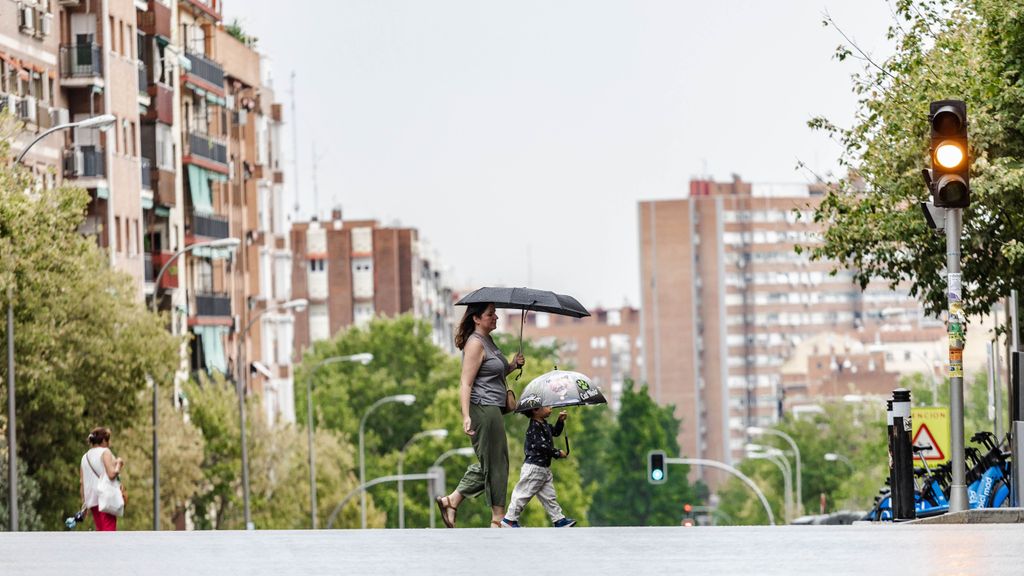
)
(540, 442)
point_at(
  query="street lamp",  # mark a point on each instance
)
(778, 458)
(241, 385)
(363, 358)
(406, 399)
(833, 457)
(102, 122)
(759, 431)
(219, 243)
(435, 433)
(466, 451)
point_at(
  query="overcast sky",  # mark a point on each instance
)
(518, 136)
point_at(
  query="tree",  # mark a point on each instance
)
(181, 460)
(857, 432)
(84, 343)
(28, 495)
(967, 49)
(625, 497)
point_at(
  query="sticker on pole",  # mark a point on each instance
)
(931, 430)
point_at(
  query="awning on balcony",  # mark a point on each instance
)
(199, 185)
(147, 203)
(212, 340)
(210, 96)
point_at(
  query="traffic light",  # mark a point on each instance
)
(657, 473)
(950, 179)
(687, 508)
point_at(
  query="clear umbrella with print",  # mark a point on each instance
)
(560, 389)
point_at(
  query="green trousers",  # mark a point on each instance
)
(490, 475)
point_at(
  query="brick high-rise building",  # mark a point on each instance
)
(727, 300)
(353, 270)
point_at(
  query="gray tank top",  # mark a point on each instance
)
(489, 384)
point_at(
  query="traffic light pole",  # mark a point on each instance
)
(956, 327)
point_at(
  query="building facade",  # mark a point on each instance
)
(193, 156)
(727, 301)
(354, 270)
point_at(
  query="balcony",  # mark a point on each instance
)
(81, 60)
(163, 187)
(147, 175)
(207, 71)
(213, 305)
(213, 227)
(207, 148)
(85, 162)
(156, 261)
(208, 7)
(161, 108)
(157, 20)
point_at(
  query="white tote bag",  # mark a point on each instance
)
(111, 501)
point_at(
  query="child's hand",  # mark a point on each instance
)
(562, 416)
(562, 454)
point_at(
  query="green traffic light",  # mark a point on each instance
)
(657, 475)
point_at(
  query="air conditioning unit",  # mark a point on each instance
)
(76, 163)
(45, 24)
(59, 116)
(11, 104)
(27, 109)
(26, 18)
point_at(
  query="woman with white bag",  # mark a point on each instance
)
(101, 489)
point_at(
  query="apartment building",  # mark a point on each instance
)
(192, 157)
(354, 270)
(727, 301)
(606, 346)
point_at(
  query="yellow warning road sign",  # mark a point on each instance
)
(931, 428)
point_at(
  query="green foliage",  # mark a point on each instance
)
(857, 432)
(622, 496)
(181, 459)
(28, 495)
(84, 343)
(238, 33)
(967, 49)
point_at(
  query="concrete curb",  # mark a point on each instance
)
(981, 516)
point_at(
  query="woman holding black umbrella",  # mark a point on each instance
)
(484, 397)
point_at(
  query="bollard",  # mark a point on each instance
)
(888, 425)
(903, 457)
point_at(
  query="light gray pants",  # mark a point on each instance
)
(535, 481)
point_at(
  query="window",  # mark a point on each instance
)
(316, 265)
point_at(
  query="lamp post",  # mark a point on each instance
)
(435, 433)
(465, 451)
(833, 457)
(219, 243)
(241, 385)
(363, 358)
(759, 431)
(775, 456)
(102, 122)
(406, 399)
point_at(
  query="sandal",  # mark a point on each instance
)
(496, 524)
(444, 505)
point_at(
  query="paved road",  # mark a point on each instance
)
(829, 550)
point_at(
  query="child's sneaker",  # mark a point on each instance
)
(506, 523)
(565, 523)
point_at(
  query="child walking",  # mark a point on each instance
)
(536, 478)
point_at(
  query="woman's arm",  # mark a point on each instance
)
(112, 465)
(473, 357)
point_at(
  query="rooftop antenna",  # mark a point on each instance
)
(295, 148)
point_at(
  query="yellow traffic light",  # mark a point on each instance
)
(949, 155)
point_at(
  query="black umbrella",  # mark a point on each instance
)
(526, 299)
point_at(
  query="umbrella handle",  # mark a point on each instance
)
(566, 445)
(522, 325)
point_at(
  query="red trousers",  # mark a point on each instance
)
(104, 522)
